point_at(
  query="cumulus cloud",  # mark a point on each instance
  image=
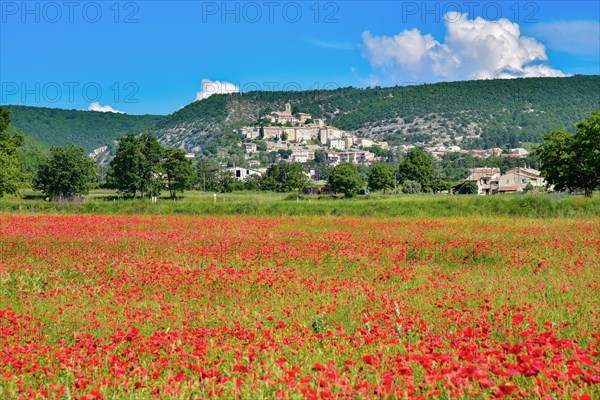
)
(472, 49)
(573, 37)
(215, 87)
(95, 106)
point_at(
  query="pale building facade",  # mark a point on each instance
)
(486, 179)
(517, 179)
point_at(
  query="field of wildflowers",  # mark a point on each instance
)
(114, 307)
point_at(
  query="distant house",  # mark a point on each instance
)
(521, 152)
(339, 144)
(300, 156)
(363, 142)
(517, 179)
(241, 173)
(302, 117)
(249, 147)
(486, 179)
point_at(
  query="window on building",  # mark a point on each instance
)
(238, 173)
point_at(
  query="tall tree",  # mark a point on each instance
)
(137, 166)
(572, 162)
(11, 177)
(346, 179)
(416, 166)
(381, 177)
(125, 167)
(587, 149)
(67, 173)
(150, 165)
(178, 170)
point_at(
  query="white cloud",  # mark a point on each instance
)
(472, 49)
(215, 87)
(573, 37)
(95, 106)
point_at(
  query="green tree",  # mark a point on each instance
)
(416, 166)
(227, 182)
(284, 177)
(150, 165)
(381, 177)
(207, 174)
(125, 167)
(411, 187)
(253, 182)
(11, 177)
(178, 170)
(137, 166)
(468, 188)
(345, 178)
(320, 157)
(572, 162)
(67, 173)
(294, 177)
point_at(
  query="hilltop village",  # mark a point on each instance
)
(301, 136)
(298, 136)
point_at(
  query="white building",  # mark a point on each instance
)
(339, 144)
(300, 156)
(242, 173)
(363, 142)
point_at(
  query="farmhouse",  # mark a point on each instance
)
(517, 179)
(486, 179)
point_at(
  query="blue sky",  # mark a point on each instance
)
(152, 57)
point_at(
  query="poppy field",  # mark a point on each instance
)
(189, 307)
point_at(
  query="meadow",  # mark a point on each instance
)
(99, 306)
(278, 204)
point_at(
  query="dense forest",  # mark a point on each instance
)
(87, 129)
(471, 114)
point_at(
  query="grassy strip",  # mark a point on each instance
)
(197, 203)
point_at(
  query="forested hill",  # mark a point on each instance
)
(486, 113)
(483, 113)
(88, 129)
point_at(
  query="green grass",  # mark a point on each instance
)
(247, 203)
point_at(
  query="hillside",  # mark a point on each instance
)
(88, 129)
(472, 114)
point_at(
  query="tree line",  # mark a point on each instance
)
(143, 168)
